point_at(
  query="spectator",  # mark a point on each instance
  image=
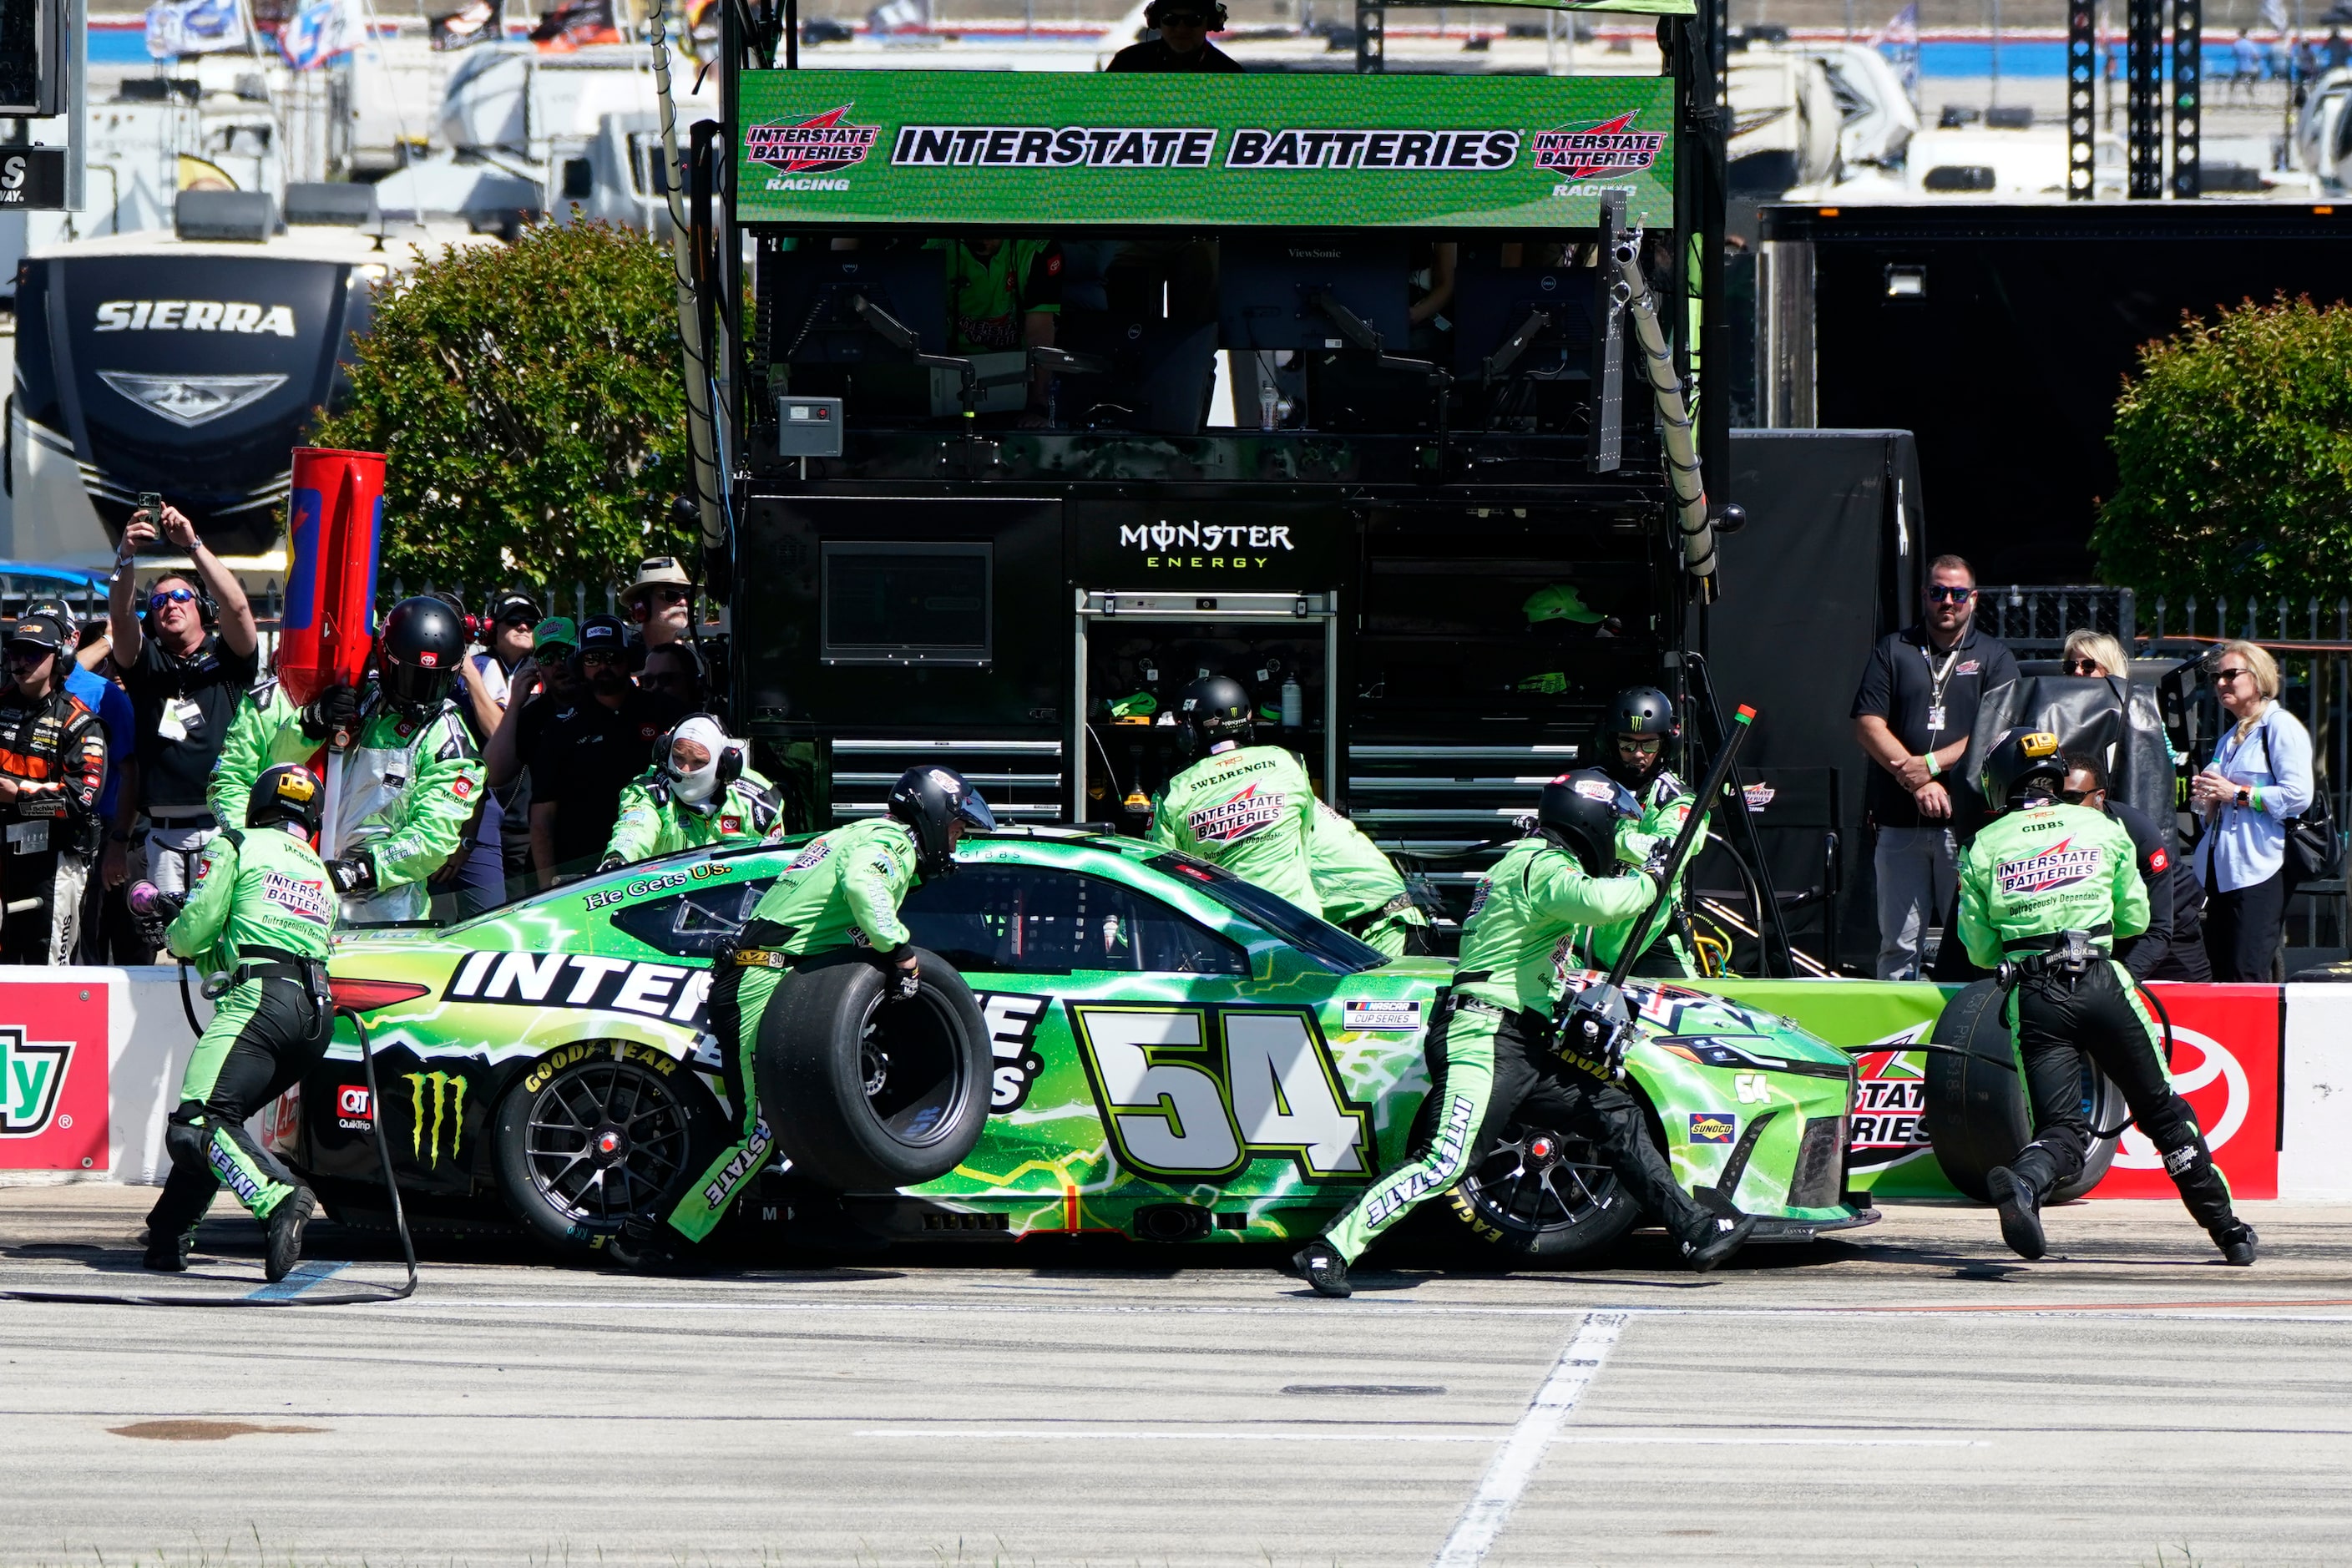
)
(185, 669)
(116, 806)
(486, 682)
(1912, 715)
(52, 769)
(2246, 64)
(1004, 296)
(537, 689)
(674, 673)
(2260, 776)
(2173, 946)
(593, 746)
(1183, 44)
(659, 604)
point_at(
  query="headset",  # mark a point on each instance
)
(207, 612)
(730, 755)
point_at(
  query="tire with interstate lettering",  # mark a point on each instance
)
(1975, 1112)
(596, 1131)
(866, 1093)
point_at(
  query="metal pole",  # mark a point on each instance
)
(701, 446)
(2187, 86)
(2082, 90)
(77, 95)
(1682, 450)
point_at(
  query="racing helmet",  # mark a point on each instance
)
(418, 651)
(1215, 710)
(1636, 711)
(1580, 813)
(287, 794)
(933, 801)
(701, 788)
(2023, 766)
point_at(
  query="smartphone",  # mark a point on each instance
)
(150, 505)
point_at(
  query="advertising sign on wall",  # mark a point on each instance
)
(53, 1076)
(1021, 149)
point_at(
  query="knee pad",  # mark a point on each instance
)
(186, 1136)
(2186, 1156)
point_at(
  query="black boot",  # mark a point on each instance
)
(285, 1223)
(1319, 1264)
(2020, 1211)
(1723, 1235)
(167, 1254)
(644, 1245)
(2237, 1243)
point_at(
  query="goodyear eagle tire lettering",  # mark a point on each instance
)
(596, 1130)
(865, 1093)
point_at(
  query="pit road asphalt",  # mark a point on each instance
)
(1910, 1394)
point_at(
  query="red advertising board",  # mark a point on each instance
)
(2226, 1046)
(53, 1043)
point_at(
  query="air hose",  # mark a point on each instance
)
(348, 1297)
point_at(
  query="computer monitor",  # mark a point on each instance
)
(1491, 302)
(1269, 286)
(813, 316)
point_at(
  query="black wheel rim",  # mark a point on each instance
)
(604, 1140)
(910, 1069)
(1540, 1182)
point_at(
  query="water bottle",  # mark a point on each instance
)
(1269, 406)
(1294, 703)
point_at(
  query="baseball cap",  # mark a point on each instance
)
(52, 610)
(39, 631)
(553, 631)
(602, 632)
(512, 607)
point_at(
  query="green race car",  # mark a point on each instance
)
(1151, 1046)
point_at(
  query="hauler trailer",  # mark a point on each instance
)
(1430, 538)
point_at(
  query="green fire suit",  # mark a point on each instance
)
(1250, 809)
(2030, 878)
(262, 912)
(841, 891)
(1529, 904)
(409, 789)
(1666, 805)
(654, 822)
(1359, 888)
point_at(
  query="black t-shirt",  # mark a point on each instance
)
(1902, 681)
(1154, 55)
(582, 755)
(203, 692)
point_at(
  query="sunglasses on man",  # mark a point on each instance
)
(2075, 796)
(26, 656)
(163, 596)
(1184, 19)
(602, 656)
(668, 596)
(1946, 591)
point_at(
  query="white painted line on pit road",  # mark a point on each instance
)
(1230, 1435)
(1523, 1450)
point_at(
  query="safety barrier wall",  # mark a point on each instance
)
(90, 1061)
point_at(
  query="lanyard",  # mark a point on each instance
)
(1936, 679)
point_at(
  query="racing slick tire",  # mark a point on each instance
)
(864, 1092)
(1545, 1194)
(599, 1129)
(1976, 1116)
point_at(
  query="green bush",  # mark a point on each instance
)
(528, 402)
(2234, 443)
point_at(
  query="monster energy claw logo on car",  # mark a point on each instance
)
(445, 1093)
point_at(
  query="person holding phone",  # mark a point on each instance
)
(186, 649)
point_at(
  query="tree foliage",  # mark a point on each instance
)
(528, 402)
(2234, 443)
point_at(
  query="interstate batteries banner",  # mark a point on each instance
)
(1026, 148)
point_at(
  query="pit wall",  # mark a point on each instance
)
(90, 1062)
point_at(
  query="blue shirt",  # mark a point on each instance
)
(2246, 845)
(112, 706)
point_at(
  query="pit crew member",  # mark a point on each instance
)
(1360, 888)
(698, 792)
(1248, 808)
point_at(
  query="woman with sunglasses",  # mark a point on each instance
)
(1183, 44)
(2260, 776)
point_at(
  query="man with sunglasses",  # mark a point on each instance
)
(594, 744)
(185, 662)
(1183, 44)
(1912, 715)
(52, 767)
(660, 604)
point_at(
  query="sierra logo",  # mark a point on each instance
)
(1610, 147)
(194, 316)
(2060, 865)
(1247, 813)
(812, 146)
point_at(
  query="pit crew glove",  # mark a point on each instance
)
(610, 863)
(333, 715)
(353, 874)
(910, 977)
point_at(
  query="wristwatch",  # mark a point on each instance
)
(2245, 797)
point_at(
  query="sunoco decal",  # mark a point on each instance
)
(1611, 147)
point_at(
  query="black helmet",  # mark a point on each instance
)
(418, 651)
(930, 800)
(1636, 711)
(288, 793)
(1215, 708)
(1214, 10)
(2023, 764)
(1580, 813)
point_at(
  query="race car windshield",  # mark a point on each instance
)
(1325, 943)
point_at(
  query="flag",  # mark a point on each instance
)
(320, 31)
(574, 24)
(2275, 15)
(176, 28)
(1899, 41)
(480, 22)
